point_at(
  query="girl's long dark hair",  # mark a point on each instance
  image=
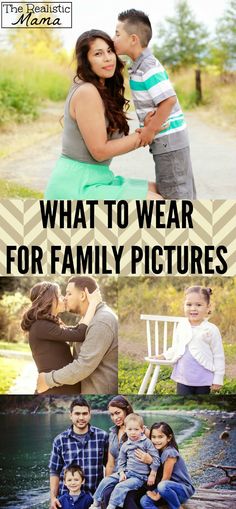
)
(42, 296)
(112, 92)
(167, 430)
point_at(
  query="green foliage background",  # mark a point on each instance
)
(25, 82)
(15, 403)
(165, 296)
(14, 299)
(36, 67)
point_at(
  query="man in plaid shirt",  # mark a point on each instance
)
(81, 444)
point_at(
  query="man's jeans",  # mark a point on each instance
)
(121, 489)
(172, 492)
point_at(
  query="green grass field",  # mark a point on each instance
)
(26, 82)
(131, 373)
(10, 369)
(219, 96)
(10, 190)
(19, 347)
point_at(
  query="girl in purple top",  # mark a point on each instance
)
(197, 351)
(175, 486)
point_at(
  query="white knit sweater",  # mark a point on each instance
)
(205, 345)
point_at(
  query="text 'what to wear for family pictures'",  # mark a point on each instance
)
(78, 176)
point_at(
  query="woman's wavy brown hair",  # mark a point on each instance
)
(122, 403)
(42, 295)
(112, 92)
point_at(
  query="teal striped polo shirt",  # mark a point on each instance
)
(150, 86)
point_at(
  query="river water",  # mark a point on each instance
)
(25, 450)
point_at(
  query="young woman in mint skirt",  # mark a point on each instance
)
(96, 129)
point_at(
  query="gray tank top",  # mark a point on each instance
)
(73, 144)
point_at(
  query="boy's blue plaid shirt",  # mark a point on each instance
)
(90, 453)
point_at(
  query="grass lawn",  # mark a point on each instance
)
(19, 347)
(10, 369)
(10, 190)
(131, 373)
(133, 349)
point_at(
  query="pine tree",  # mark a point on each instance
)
(182, 41)
(226, 34)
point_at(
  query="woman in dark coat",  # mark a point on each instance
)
(49, 337)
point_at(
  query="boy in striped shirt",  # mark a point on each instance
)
(162, 123)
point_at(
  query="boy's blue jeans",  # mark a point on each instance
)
(172, 492)
(121, 489)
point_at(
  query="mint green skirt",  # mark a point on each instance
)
(73, 180)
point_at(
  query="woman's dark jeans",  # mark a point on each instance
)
(132, 498)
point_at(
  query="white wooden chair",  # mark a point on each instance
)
(160, 332)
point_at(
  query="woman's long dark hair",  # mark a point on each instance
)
(167, 430)
(42, 296)
(112, 93)
(122, 403)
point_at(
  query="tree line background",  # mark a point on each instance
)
(38, 404)
(35, 67)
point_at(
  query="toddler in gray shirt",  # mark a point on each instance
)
(132, 473)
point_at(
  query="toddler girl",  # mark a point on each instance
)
(175, 486)
(197, 350)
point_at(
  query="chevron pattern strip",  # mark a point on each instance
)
(21, 224)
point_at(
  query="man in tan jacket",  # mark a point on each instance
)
(97, 357)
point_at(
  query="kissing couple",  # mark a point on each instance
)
(92, 368)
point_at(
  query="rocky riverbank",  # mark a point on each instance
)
(216, 445)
